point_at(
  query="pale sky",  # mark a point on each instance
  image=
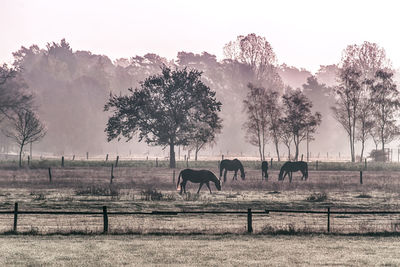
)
(302, 33)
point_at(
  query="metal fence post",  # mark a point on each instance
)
(329, 220)
(105, 220)
(15, 216)
(249, 221)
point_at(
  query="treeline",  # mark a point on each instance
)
(70, 89)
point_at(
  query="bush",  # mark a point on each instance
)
(151, 194)
(317, 197)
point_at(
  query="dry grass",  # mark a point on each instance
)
(88, 188)
(192, 250)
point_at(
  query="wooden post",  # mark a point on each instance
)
(156, 162)
(187, 162)
(87, 155)
(112, 173)
(73, 157)
(62, 161)
(50, 175)
(173, 176)
(147, 157)
(107, 157)
(329, 220)
(316, 165)
(29, 160)
(15, 216)
(271, 163)
(327, 155)
(249, 221)
(222, 157)
(116, 162)
(365, 163)
(361, 179)
(105, 220)
(301, 157)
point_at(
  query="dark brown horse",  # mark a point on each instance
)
(231, 165)
(198, 176)
(264, 169)
(290, 167)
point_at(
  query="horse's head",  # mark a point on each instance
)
(243, 175)
(218, 184)
(280, 177)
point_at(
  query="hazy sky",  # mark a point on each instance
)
(303, 33)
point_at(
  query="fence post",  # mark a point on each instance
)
(50, 175)
(62, 161)
(187, 162)
(87, 155)
(105, 220)
(329, 220)
(271, 163)
(29, 160)
(15, 216)
(112, 173)
(316, 165)
(301, 157)
(222, 157)
(73, 157)
(249, 221)
(365, 163)
(156, 162)
(361, 178)
(116, 161)
(107, 157)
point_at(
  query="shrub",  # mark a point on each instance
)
(96, 190)
(151, 194)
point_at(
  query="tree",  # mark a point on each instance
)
(203, 135)
(13, 94)
(298, 118)
(348, 97)
(257, 118)
(385, 103)
(254, 51)
(164, 110)
(25, 128)
(273, 110)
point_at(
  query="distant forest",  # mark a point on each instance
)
(70, 88)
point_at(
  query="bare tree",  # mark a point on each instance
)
(257, 118)
(204, 135)
(273, 110)
(348, 99)
(25, 128)
(300, 121)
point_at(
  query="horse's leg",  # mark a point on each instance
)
(290, 176)
(181, 187)
(208, 185)
(184, 186)
(304, 175)
(235, 176)
(198, 191)
(225, 175)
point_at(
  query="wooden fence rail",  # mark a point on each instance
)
(249, 213)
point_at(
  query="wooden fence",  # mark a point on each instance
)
(105, 213)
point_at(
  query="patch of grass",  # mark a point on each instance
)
(317, 197)
(151, 195)
(96, 190)
(191, 197)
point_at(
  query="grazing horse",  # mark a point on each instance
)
(198, 176)
(231, 165)
(264, 169)
(290, 167)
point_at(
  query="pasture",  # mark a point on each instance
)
(140, 186)
(202, 250)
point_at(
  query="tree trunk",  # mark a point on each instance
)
(171, 156)
(362, 150)
(20, 156)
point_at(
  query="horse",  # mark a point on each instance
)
(264, 169)
(198, 176)
(231, 165)
(290, 167)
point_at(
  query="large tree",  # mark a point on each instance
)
(385, 104)
(298, 117)
(25, 128)
(165, 110)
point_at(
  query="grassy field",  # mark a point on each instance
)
(146, 188)
(237, 250)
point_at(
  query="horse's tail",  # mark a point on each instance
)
(281, 173)
(179, 178)
(220, 169)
